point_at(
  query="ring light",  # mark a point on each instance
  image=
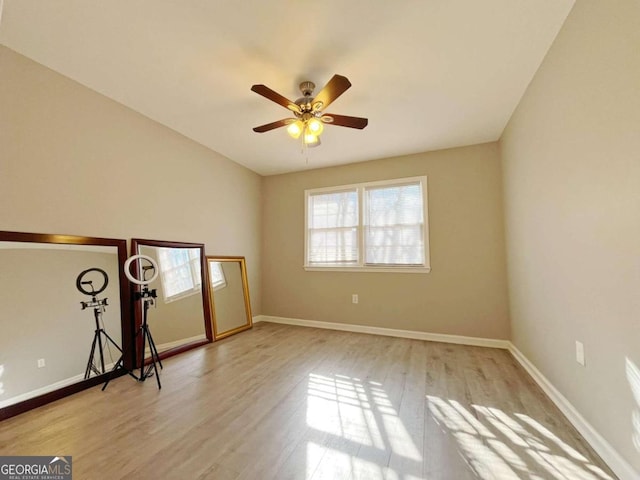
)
(140, 257)
(80, 282)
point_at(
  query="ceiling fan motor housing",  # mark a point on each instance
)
(307, 88)
(304, 102)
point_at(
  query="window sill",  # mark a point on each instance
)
(368, 269)
(181, 295)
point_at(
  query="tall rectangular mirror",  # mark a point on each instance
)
(50, 314)
(229, 292)
(181, 318)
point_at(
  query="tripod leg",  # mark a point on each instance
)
(118, 363)
(157, 376)
(97, 315)
(111, 340)
(101, 351)
(143, 331)
(154, 350)
(154, 359)
(87, 372)
(143, 374)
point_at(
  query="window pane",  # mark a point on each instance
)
(394, 225)
(218, 280)
(178, 280)
(333, 233)
(179, 270)
(336, 209)
(196, 268)
(338, 245)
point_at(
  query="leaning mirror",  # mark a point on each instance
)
(229, 291)
(180, 318)
(64, 316)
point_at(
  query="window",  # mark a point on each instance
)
(218, 280)
(375, 226)
(333, 228)
(179, 272)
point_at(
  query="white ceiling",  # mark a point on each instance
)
(429, 74)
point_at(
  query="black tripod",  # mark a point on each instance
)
(147, 297)
(98, 336)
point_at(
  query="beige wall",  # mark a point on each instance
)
(571, 158)
(465, 293)
(75, 162)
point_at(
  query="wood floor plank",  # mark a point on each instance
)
(283, 402)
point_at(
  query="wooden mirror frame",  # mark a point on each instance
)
(245, 289)
(206, 308)
(125, 317)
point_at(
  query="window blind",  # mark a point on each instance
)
(394, 232)
(333, 228)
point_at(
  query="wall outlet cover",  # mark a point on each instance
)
(580, 353)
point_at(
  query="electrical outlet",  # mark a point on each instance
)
(41, 363)
(354, 298)
(580, 353)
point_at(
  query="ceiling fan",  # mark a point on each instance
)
(309, 117)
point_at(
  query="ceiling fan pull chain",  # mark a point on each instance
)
(304, 150)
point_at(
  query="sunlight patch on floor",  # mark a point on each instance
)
(336, 407)
(363, 428)
(501, 445)
(364, 437)
(331, 463)
(546, 433)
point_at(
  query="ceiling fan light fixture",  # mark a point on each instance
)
(315, 126)
(295, 129)
(311, 140)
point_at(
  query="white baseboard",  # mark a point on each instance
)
(176, 343)
(49, 388)
(389, 332)
(610, 456)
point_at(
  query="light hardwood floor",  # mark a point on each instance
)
(283, 402)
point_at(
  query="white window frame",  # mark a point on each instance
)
(361, 266)
(220, 284)
(194, 263)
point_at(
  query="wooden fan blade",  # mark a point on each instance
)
(345, 121)
(332, 90)
(270, 126)
(266, 92)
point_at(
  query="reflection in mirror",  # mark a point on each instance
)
(179, 319)
(229, 290)
(49, 325)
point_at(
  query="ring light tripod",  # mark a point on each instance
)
(98, 306)
(148, 274)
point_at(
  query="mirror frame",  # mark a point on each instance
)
(245, 290)
(125, 317)
(206, 308)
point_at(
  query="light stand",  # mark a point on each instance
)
(147, 297)
(100, 336)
